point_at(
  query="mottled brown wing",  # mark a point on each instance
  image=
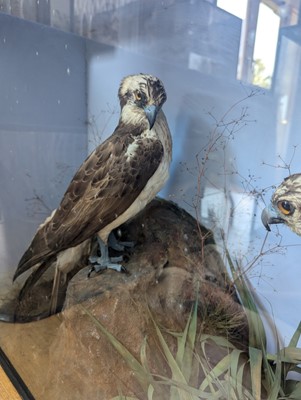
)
(105, 185)
(115, 184)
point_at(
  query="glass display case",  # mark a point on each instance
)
(232, 109)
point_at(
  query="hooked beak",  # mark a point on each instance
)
(270, 216)
(151, 112)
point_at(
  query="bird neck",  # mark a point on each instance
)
(134, 117)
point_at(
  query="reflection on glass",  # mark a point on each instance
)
(232, 107)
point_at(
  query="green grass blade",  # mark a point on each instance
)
(275, 389)
(240, 380)
(142, 376)
(255, 357)
(295, 339)
(195, 393)
(234, 368)
(220, 341)
(143, 356)
(177, 374)
(290, 355)
(257, 337)
(150, 392)
(221, 368)
(296, 392)
(190, 345)
(182, 339)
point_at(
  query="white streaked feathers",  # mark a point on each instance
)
(131, 150)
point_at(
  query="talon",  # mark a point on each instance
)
(92, 269)
(103, 262)
(118, 245)
(97, 269)
(124, 270)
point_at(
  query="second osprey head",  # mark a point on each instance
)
(285, 205)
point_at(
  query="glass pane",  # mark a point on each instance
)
(234, 142)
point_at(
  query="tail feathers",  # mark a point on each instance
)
(35, 276)
(36, 253)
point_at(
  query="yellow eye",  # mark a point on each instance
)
(285, 207)
(138, 96)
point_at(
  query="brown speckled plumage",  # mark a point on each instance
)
(113, 179)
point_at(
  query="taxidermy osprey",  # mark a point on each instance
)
(118, 179)
(285, 205)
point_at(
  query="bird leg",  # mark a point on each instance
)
(55, 290)
(117, 244)
(105, 261)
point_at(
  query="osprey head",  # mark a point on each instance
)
(141, 97)
(285, 206)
